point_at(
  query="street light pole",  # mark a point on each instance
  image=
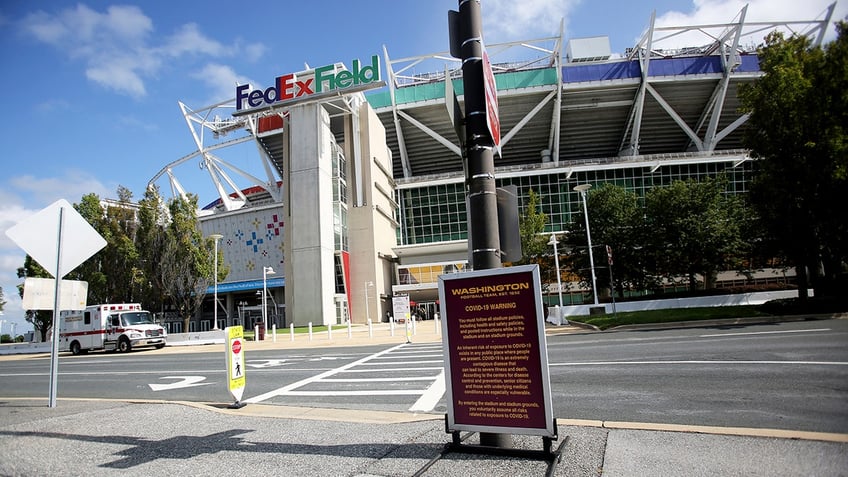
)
(265, 272)
(583, 188)
(553, 241)
(216, 237)
(242, 304)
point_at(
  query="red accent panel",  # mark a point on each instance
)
(269, 123)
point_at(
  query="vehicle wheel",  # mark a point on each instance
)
(160, 346)
(124, 345)
(75, 348)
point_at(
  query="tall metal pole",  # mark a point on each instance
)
(216, 237)
(484, 240)
(54, 353)
(582, 189)
(480, 178)
(556, 264)
(265, 272)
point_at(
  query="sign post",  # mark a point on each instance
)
(235, 364)
(75, 241)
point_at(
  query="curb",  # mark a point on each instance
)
(753, 320)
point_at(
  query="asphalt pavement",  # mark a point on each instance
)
(134, 438)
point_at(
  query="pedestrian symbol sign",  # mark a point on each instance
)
(235, 362)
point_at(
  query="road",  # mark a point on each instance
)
(784, 376)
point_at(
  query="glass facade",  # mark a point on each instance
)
(340, 222)
(340, 231)
(437, 213)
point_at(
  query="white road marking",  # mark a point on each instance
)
(431, 397)
(428, 397)
(184, 382)
(376, 380)
(303, 382)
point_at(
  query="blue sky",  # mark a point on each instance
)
(90, 88)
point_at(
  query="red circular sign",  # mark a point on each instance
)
(236, 346)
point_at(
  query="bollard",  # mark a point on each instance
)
(310, 331)
(414, 326)
(274, 330)
(349, 330)
(256, 333)
(330, 332)
(291, 331)
(392, 325)
(370, 329)
(436, 323)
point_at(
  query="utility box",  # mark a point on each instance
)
(597, 310)
(579, 50)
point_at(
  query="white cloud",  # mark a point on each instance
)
(221, 80)
(117, 48)
(708, 12)
(189, 40)
(507, 20)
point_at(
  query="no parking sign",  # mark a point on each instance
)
(235, 363)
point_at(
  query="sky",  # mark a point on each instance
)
(90, 87)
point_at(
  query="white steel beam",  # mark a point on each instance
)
(676, 117)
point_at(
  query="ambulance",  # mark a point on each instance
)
(114, 327)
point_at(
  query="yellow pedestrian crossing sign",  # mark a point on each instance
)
(235, 363)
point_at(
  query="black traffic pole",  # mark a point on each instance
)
(479, 149)
(480, 178)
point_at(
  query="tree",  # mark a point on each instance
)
(531, 224)
(616, 220)
(534, 245)
(186, 266)
(693, 228)
(798, 115)
(91, 270)
(150, 239)
(110, 271)
(2, 301)
(41, 320)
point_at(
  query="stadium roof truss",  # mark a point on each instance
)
(658, 99)
(653, 99)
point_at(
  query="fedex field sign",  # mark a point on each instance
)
(292, 88)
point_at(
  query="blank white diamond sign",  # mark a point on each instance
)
(40, 237)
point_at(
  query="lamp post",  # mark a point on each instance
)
(265, 272)
(582, 188)
(216, 237)
(242, 304)
(553, 241)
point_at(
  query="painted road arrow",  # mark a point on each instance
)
(184, 382)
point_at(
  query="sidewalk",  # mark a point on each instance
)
(100, 438)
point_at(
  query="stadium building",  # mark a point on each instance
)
(362, 193)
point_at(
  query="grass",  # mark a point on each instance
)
(671, 315)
